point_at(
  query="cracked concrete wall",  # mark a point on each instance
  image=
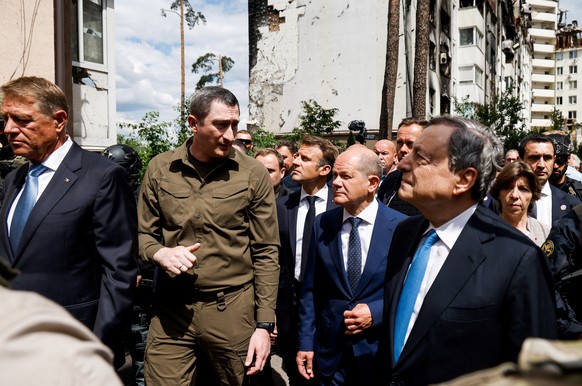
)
(329, 51)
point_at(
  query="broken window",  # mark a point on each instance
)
(88, 30)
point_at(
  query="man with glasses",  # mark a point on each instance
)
(246, 138)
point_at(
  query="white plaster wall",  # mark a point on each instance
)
(329, 51)
(26, 39)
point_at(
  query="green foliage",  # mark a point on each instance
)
(261, 140)
(192, 17)
(351, 139)
(150, 137)
(557, 119)
(315, 120)
(208, 65)
(503, 115)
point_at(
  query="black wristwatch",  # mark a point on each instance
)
(269, 326)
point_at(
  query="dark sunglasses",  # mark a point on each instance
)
(561, 159)
(246, 141)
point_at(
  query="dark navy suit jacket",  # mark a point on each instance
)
(326, 293)
(79, 246)
(493, 291)
(287, 207)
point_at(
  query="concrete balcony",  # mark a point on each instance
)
(542, 93)
(542, 33)
(542, 63)
(544, 17)
(469, 55)
(545, 4)
(541, 108)
(540, 123)
(543, 78)
(543, 48)
(469, 17)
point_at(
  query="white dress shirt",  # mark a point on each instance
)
(52, 163)
(365, 230)
(320, 207)
(448, 234)
(544, 205)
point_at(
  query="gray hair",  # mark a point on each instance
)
(49, 97)
(202, 100)
(473, 145)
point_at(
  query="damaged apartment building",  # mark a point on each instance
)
(334, 52)
(569, 73)
(69, 42)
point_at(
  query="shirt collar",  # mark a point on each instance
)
(321, 193)
(449, 232)
(368, 215)
(546, 189)
(55, 159)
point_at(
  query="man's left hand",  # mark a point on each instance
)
(358, 319)
(259, 350)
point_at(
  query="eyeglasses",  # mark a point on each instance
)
(245, 141)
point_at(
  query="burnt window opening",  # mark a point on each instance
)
(274, 19)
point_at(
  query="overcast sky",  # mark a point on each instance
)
(574, 8)
(147, 47)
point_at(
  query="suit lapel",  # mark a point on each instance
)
(11, 192)
(293, 207)
(63, 179)
(457, 269)
(408, 236)
(331, 239)
(377, 252)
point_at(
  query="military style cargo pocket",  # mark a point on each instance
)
(230, 204)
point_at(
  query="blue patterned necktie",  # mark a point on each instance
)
(410, 292)
(354, 254)
(25, 204)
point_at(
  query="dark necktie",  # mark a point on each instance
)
(307, 228)
(354, 254)
(410, 291)
(25, 204)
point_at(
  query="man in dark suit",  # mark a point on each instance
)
(408, 131)
(341, 299)
(463, 289)
(78, 243)
(539, 151)
(312, 170)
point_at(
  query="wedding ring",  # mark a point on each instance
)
(180, 268)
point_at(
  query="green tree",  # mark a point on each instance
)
(557, 119)
(503, 115)
(261, 140)
(149, 137)
(315, 120)
(184, 10)
(212, 68)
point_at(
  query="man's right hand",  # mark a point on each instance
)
(304, 361)
(176, 260)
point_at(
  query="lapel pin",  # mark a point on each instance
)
(563, 207)
(67, 180)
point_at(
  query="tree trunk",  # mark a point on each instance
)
(421, 59)
(391, 70)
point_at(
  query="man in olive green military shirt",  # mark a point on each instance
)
(207, 217)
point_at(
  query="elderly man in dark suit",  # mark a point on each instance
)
(341, 300)
(463, 288)
(68, 222)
